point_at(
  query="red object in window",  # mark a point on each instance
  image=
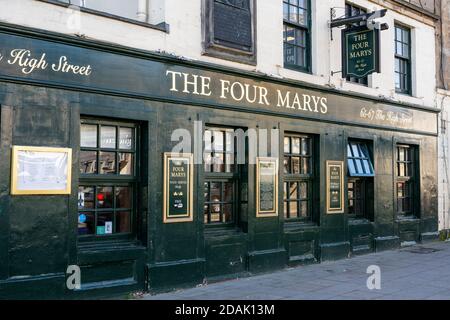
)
(100, 197)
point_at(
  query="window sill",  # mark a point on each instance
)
(297, 68)
(297, 225)
(163, 26)
(403, 218)
(215, 231)
(358, 221)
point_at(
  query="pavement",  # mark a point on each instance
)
(417, 272)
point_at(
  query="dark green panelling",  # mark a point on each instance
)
(166, 276)
(225, 252)
(387, 243)
(266, 260)
(334, 251)
(50, 286)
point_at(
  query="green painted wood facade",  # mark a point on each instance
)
(38, 234)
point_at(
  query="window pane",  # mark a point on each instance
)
(303, 190)
(287, 145)
(293, 13)
(123, 221)
(206, 213)
(126, 163)
(123, 197)
(349, 151)
(293, 190)
(107, 162)
(359, 169)
(218, 165)
(108, 137)
(215, 213)
(126, 138)
(289, 54)
(295, 165)
(88, 162)
(86, 223)
(286, 165)
(400, 190)
(88, 136)
(296, 145)
(285, 11)
(303, 17)
(218, 141)
(208, 140)
(306, 165)
(208, 161)
(216, 195)
(105, 222)
(227, 192)
(304, 209)
(104, 197)
(227, 213)
(293, 209)
(86, 198)
(305, 146)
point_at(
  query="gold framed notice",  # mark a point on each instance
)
(178, 187)
(266, 187)
(41, 170)
(335, 187)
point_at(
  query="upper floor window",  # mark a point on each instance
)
(351, 11)
(296, 34)
(298, 177)
(402, 59)
(108, 179)
(129, 9)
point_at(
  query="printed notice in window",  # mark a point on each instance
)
(40, 170)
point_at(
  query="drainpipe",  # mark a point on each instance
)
(141, 14)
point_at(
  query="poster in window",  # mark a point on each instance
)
(40, 170)
(178, 187)
(335, 187)
(267, 187)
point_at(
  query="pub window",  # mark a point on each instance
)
(108, 178)
(296, 34)
(351, 11)
(360, 180)
(298, 177)
(222, 177)
(406, 180)
(402, 59)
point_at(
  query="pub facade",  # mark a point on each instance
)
(126, 169)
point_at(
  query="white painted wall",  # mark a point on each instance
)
(443, 101)
(184, 39)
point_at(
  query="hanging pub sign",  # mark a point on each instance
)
(361, 52)
(335, 187)
(178, 187)
(267, 187)
(40, 170)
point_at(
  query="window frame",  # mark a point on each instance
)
(233, 177)
(410, 181)
(405, 59)
(112, 180)
(308, 34)
(299, 178)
